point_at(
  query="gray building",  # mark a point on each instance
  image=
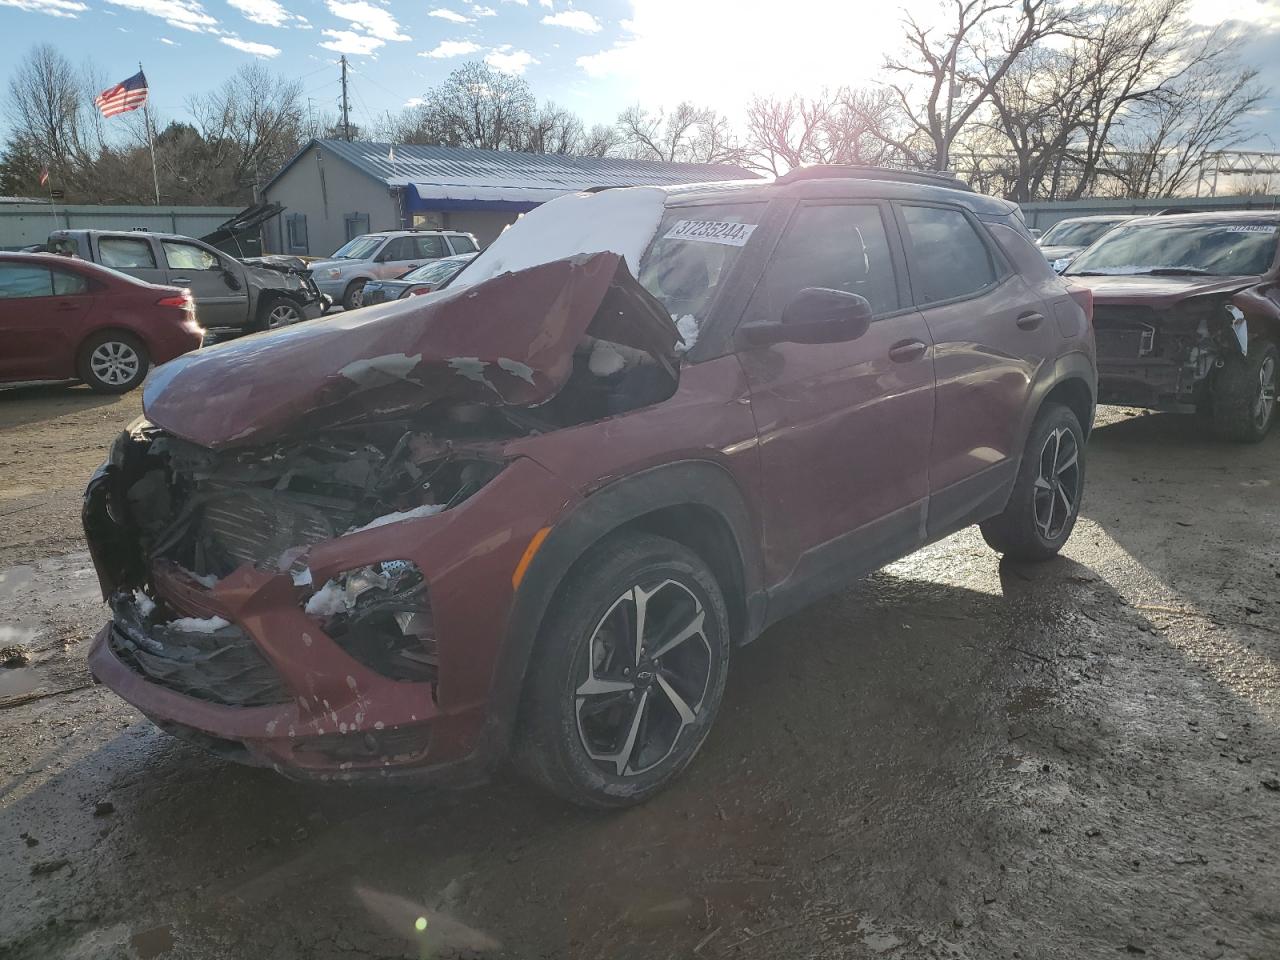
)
(333, 190)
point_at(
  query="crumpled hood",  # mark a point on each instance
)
(509, 340)
(1159, 292)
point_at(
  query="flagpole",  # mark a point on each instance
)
(151, 140)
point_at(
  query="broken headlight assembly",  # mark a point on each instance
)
(380, 615)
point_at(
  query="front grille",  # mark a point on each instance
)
(217, 665)
(256, 526)
(1124, 333)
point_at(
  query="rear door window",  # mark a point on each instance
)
(18, 281)
(401, 248)
(67, 284)
(949, 258)
(126, 253)
(838, 247)
(429, 247)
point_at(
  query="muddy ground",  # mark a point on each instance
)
(958, 758)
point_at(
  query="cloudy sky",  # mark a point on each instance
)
(594, 56)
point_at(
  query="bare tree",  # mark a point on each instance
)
(953, 70)
(688, 134)
(843, 126)
(1162, 148)
(47, 111)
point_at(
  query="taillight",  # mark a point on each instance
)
(182, 301)
(418, 291)
(1084, 297)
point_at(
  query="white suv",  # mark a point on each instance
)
(383, 256)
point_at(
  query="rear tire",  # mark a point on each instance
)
(351, 297)
(1244, 394)
(1045, 502)
(113, 362)
(601, 725)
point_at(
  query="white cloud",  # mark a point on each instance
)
(369, 18)
(450, 15)
(791, 55)
(263, 50)
(169, 43)
(53, 8)
(451, 48)
(183, 14)
(414, 102)
(521, 3)
(545, 3)
(484, 11)
(509, 61)
(348, 41)
(266, 12)
(578, 20)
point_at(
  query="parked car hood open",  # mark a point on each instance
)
(509, 340)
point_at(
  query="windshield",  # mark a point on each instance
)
(691, 253)
(361, 248)
(1079, 233)
(1222, 248)
(435, 271)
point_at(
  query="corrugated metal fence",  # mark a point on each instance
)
(22, 224)
(1044, 214)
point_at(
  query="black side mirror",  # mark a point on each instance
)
(814, 315)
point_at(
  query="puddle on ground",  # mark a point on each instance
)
(17, 634)
(67, 579)
(15, 682)
(14, 579)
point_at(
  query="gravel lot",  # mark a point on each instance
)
(957, 758)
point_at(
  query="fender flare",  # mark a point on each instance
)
(700, 483)
(1076, 365)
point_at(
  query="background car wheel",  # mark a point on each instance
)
(1045, 502)
(353, 296)
(627, 675)
(279, 312)
(1244, 394)
(113, 362)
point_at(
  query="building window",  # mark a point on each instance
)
(297, 230)
(357, 225)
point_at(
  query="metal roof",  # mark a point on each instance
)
(463, 174)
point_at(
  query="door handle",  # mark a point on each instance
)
(1029, 321)
(904, 351)
(66, 305)
(179, 279)
(412, 266)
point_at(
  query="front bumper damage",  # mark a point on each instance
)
(1166, 358)
(238, 666)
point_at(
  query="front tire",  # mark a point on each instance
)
(627, 675)
(353, 296)
(1244, 394)
(279, 312)
(1045, 502)
(113, 362)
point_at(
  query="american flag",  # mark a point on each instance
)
(124, 96)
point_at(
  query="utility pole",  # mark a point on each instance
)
(346, 117)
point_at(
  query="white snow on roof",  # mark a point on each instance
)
(620, 221)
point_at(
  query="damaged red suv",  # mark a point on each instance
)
(1187, 316)
(533, 514)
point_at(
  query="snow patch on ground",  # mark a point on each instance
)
(197, 625)
(426, 510)
(622, 221)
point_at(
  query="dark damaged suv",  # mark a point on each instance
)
(533, 513)
(1187, 315)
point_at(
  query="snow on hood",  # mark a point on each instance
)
(620, 221)
(509, 340)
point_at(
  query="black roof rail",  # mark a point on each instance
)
(829, 171)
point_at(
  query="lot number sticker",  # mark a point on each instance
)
(712, 231)
(1252, 228)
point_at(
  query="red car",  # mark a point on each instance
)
(66, 319)
(534, 512)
